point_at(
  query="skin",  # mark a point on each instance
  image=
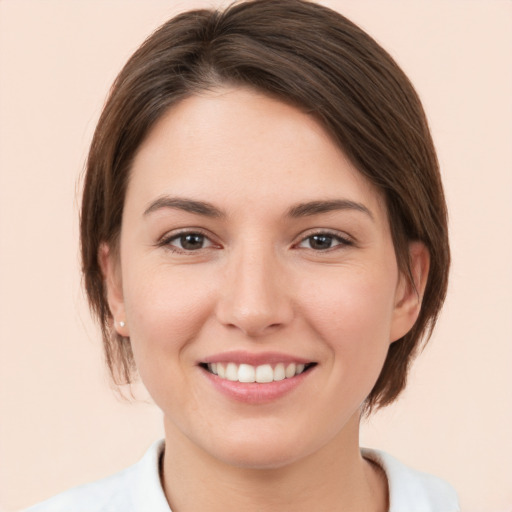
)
(257, 282)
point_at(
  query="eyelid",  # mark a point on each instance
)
(166, 239)
(342, 237)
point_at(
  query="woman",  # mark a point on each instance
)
(264, 241)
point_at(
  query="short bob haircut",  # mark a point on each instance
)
(308, 56)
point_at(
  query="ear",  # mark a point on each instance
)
(111, 270)
(409, 294)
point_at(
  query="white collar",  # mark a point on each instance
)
(411, 490)
(139, 489)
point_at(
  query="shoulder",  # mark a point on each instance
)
(134, 489)
(413, 490)
(108, 494)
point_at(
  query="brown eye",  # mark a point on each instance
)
(192, 241)
(323, 242)
(188, 242)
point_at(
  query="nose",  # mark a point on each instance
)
(255, 297)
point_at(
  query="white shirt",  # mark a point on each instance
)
(138, 489)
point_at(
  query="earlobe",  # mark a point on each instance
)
(409, 292)
(110, 268)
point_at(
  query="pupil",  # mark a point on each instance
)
(193, 241)
(321, 241)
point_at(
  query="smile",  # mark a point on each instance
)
(262, 374)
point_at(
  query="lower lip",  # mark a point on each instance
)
(254, 392)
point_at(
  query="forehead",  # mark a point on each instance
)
(243, 148)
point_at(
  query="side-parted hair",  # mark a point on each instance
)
(315, 59)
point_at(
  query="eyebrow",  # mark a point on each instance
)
(187, 205)
(317, 207)
(299, 210)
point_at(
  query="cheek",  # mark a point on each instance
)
(352, 314)
(358, 300)
(165, 311)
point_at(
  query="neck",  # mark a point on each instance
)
(334, 478)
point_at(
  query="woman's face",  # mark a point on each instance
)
(252, 249)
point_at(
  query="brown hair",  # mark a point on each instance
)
(316, 59)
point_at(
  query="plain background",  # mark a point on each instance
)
(61, 425)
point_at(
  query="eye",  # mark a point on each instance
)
(186, 242)
(323, 241)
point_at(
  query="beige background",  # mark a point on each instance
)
(60, 425)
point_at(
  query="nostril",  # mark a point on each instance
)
(253, 324)
(253, 299)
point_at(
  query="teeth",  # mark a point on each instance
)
(279, 372)
(261, 374)
(264, 373)
(246, 373)
(290, 370)
(232, 371)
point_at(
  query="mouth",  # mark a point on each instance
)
(262, 374)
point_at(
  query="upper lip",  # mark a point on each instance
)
(254, 359)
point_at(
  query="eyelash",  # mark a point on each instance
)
(343, 241)
(166, 241)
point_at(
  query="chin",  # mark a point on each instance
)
(259, 457)
(264, 449)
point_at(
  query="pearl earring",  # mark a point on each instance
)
(121, 324)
